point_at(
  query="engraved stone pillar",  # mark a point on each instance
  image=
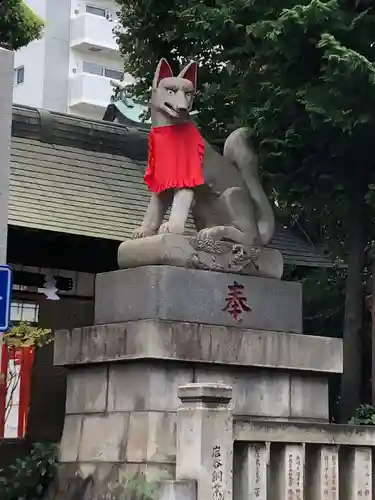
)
(356, 474)
(205, 439)
(324, 474)
(251, 476)
(289, 469)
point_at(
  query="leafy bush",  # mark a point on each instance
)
(365, 415)
(136, 488)
(26, 334)
(28, 478)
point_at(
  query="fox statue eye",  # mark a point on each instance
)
(188, 94)
(171, 92)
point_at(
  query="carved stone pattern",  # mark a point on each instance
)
(238, 259)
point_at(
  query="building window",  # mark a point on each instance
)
(97, 11)
(24, 311)
(96, 69)
(19, 75)
(113, 73)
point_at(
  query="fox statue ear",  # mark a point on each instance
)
(163, 70)
(190, 73)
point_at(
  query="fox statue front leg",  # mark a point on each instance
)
(155, 214)
(181, 205)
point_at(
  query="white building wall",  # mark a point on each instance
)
(30, 92)
(32, 59)
(55, 76)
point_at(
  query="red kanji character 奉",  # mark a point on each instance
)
(236, 302)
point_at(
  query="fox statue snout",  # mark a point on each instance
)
(176, 102)
(173, 95)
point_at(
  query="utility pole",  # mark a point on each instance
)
(370, 304)
(6, 98)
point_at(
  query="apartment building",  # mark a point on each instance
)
(70, 68)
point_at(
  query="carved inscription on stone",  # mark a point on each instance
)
(257, 486)
(258, 464)
(328, 473)
(294, 472)
(367, 490)
(362, 473)
(236, 301)
(217, 474)
(253, 472)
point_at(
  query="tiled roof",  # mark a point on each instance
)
(85, 177)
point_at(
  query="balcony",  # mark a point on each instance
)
(94, 33)
(89, 93)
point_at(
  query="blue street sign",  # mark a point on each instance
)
(6, 285)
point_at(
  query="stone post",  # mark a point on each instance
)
(324, 483)
(289, 466)
(205, 439)
(356, 473)
(251, 476)
(6, 97)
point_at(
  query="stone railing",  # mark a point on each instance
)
(263, 460)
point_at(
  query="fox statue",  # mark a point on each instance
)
(223, 192)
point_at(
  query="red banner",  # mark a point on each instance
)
(15, 382)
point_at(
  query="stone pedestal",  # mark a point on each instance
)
(181, 250)
(158, 328)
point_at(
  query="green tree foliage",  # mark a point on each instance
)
(301, 74)
(19, 25)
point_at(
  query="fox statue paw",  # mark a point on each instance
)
(142, 232)
(167, 227)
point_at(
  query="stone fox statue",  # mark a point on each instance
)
(224, 192)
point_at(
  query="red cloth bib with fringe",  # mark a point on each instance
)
(175, 157)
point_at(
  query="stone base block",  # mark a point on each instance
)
(148, 391)
(205, 297)
(191, 342)
(273, 395)
(189, 251)
(123, 437)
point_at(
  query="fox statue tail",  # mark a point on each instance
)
(240, 151)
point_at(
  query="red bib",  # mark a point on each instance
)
(175, 157)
